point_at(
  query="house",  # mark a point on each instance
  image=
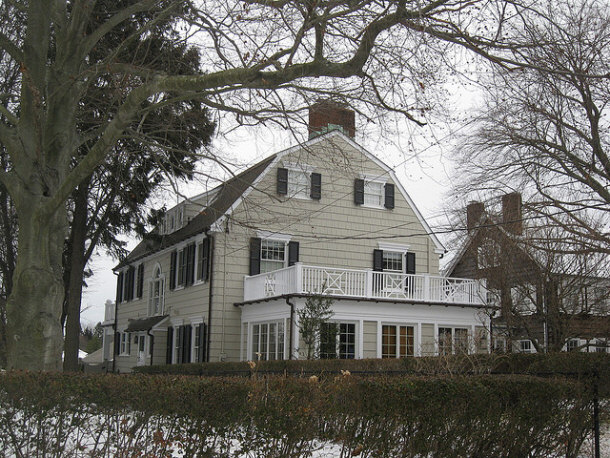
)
(224, 275)
(547, 299)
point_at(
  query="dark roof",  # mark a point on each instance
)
(144, 324)
(227, 195)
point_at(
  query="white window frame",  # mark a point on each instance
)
(454, 348)
(526, 346)
(125, 346)
(374, 192)
(158, 277)
(397, 350)
(296, 189)
(267, 237)
(338, 342)
(278, 338)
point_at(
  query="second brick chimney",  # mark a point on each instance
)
(474, 211)
(326, 115)
(511, 213)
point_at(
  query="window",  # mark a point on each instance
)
(203, 260)
(572, 345)
(500, 345)
(125, 344)
(199, 343)
(392, 261)
(338, 340)
(273, 255)
(397, 341)
(298, 184)
(183, 335)
(298, 181)
(373, 194)
(182, 260)
(157, 293)
(268, 341)
(488, 254)
(453, 340)
(525, 346)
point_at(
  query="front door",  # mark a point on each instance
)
(141, 350)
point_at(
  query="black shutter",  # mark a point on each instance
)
(410, 263)
(129, 283)
(186, 343)
(282, 181)
(172, 270)
(190, 264)
(293, 253)
(117, 343)
(170, 345)
(316, 186)
(359, 191)
(180, 345)
(255, 256)
(378, 260)
(119, 288)
(140, 280)
(201, 341)
(204, 260)
(389, 195)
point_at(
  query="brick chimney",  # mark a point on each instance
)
(326, 115)
(511, 213)
(474, 211)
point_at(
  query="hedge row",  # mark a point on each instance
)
(576, 364)
(275, 416)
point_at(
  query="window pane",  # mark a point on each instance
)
(407, 344)
(461, 340)
(272, 341)
(263, 341)
(388, 342)
(273, 254)
(445, 341)
(373, 194)
(328, 340)
(280, 340)
(298, 183)
(255, 342)
(347, 341)
(392, 261)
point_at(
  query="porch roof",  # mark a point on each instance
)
(144, 324)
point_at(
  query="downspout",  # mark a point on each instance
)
(114, 329)
(152, 345)
(291, 327)
(210, 295)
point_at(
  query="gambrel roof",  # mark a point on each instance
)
(232, 192)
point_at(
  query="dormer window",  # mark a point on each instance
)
(295, 180)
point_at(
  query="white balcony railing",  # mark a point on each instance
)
(303, 279)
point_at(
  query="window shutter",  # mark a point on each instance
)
(190, 264)
(293, 253)
(170, 345)
(389, 195)
(182, 264)
(140, 280)
(282, 181)
(378, 260)
(117, 343)
(202, 340)
(255, 256)
(119, 288)
(172, 270)
(316, 186)
(410, 263)
(129, 282)
(186, 343)
(180, 345)
(205, 261)
(359, 191)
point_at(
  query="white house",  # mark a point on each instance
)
(223, 277)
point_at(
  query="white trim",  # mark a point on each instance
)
(267, 235)
(395, 247)
(373, 178)
(299, 167)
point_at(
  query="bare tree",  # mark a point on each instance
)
(261, 58)
(545, 129)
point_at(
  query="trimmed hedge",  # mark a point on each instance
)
(576, 364)
(44, 414)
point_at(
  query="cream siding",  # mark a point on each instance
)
(428, 340)
(369, 339)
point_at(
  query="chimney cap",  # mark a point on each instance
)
(326, 115)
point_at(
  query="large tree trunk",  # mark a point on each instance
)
(75, 264)
(34, 307)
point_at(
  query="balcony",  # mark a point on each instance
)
(364, 284)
